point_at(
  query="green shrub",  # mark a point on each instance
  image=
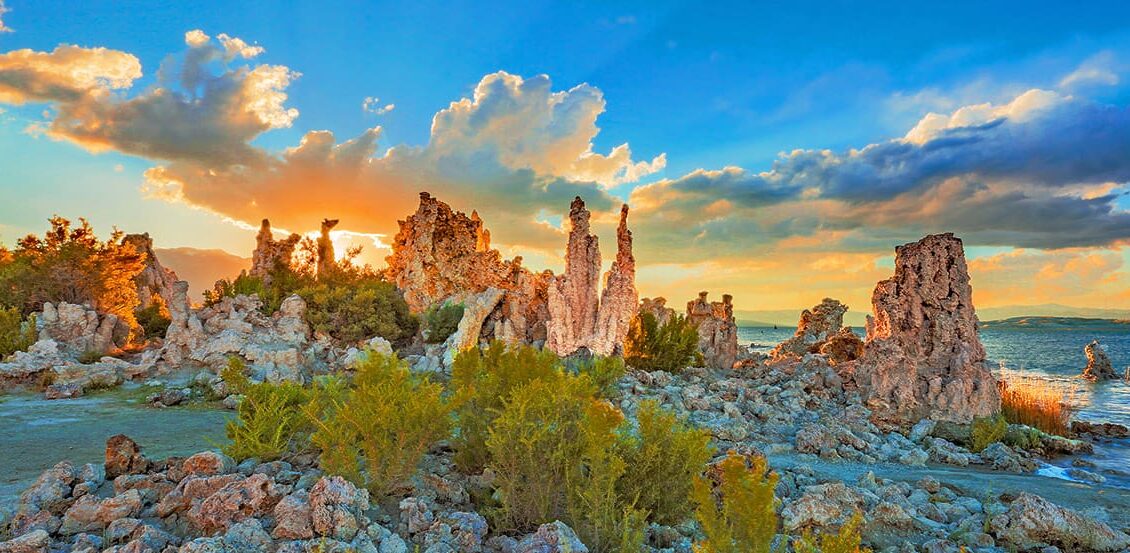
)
(269, 422)
(16, 333)
(666, 456)
(605, 373)
(986, 431)
(740, 515)
(358, 309)
(536, 447)
(482, 381)
(284, 282)
(442, 321)
(153, 320)
(669, 347)
(376, 435)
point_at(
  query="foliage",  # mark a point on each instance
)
(669, 347)
(377, 433)
(482, 381)
(986, 431)
(269, 421)
(1037, 404)
(153, 320)
(442, 321)
(665, 457)
(743, 519)
(357, 308)
(605, 372)
(16, 333)
(846, 540)
(283, 283)
(70, 264)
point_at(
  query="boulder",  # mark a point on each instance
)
(1033, 522)
(79, 329)
(717, 330)
(816, 326)
(123, 456)
(1099, 366)
(337, 508)
(32, 542)
(555, 537)
(239, 500)
(292, 517)
(922, 357)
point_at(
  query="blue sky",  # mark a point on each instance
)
(709, 87)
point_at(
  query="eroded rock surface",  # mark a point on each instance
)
(1099, 366)
(717, 330)
(619, 298)
(79, 329)
(269, 253)
(923, 358)
(155, 280)
(816, 326)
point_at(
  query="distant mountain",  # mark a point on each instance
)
(1049, 310)
(202, 268)
(1058, 323)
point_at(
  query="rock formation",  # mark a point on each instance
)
(326, 259)
(573, 295)
(717, 330)
(821, 330)
(78, 329)
(619, 299)
(577, 318)
(1099, 366)
(658, 309)
(842, 346)
(270, 253)
(923, 358)
(154, 280)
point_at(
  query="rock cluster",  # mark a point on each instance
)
(269, 253)
(577, 318)
(1099, 366)
(717, 330)
(657, 307)
(79, 329)
(821, 330)
(923, 357)
(154, 281)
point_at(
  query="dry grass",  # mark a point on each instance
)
(1036, 403)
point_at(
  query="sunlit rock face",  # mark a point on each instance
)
(923, 357)
(815, 327)
(270, 253)
(717, 330)
(154, 280)
(580, 316)
(657, 307)
(78, 329)
(1099, 366)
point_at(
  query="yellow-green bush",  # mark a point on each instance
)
(740, 515)
(666, 455)
(605, 373)
(846, 540)
(442, 321)
(669, 347)
(270, 421)
(377, 433)
(482, 381)
(16, 334)
(153, 320)
(359, 308)
(986, 431)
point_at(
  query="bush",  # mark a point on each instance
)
(482, 381)
(670, 347)
(269, 422)
(358, 309)
(605, 373)
(986, 431)
(846, 540)
(442, 321)
(283, 283)
(665, 457)
(740, 515)
(153, 320)
(376, 435)
(16, 333)
(1037, 404)
(70, 264)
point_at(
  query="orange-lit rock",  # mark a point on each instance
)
(717, 330)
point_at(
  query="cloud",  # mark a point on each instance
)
(1070, 276)
(4, 10)
(373, 105)
(1100, 70)
(66, 75)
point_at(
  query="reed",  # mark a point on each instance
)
(1036, 403)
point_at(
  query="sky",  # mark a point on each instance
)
(774, 151)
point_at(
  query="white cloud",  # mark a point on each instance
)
(4, 10)
(372, 104)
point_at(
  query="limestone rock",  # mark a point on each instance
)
(923, 357)
(32, 542)
(123, 456)
(844, 346)
(816, 326)
(555, 537)
(619, 298)
(717, 330)
(185, 331)
(337, 507)
(326, 259)
(79, 329)
(1032, 522)
(154, 281)
(476, 308)
(1098, 363)
(573, 299)
(269, 253)
(658, 309)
